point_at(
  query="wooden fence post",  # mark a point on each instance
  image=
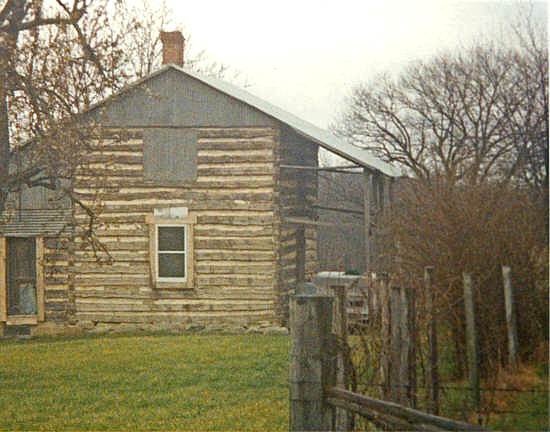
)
(510, 316)
(311, 362)
(432, 370)
(412, 347)
(471, 340)
(343, 419)
(385, 320)
(395, 344)
(405, 347)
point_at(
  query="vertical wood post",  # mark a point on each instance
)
(511, 322)
(343, 419)
(471, 340)
(432, 370)
(385, 320)
(3, 284)
(300, 254)
(40, 306)
(395, 345)
(412, 347)
(404, 363)
(301, 197)
(311, 362)
(367, 200)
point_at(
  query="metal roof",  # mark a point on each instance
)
(308, 130)
(33, 222)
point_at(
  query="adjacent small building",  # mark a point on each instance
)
(200, 206)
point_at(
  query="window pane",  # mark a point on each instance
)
(171, 239)
(171, 265)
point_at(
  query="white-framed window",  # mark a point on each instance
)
(171, 252)
(171, 248)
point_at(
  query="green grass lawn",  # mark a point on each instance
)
(157, 382)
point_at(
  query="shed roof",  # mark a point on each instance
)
(320, 136)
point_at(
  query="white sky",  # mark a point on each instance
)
(305, 56)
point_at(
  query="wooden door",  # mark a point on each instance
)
(21, 276)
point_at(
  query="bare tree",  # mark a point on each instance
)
(447, 117)
(470, 128)
(57, 58)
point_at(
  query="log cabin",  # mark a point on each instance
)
(207, 209)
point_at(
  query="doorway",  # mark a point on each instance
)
(21, 276)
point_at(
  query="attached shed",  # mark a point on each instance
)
(202, 209)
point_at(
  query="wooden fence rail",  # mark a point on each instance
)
(315, 396)
(392, 414)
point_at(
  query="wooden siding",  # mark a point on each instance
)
(234, 242)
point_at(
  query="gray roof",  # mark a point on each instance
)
(33, 222)
(320, 136)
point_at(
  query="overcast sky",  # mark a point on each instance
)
(305, 56)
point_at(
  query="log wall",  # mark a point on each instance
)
(297, 191)
(57, 293)
(234, 237)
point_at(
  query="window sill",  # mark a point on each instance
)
(22, 320)
(173, 286)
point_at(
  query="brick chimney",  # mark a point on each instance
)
(172, 47)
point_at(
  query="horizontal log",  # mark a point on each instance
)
(241, 280)
(227, 170)
(228, 216)
(233, 158)
(235, 220)
(122, 146)
(237, 255)
(121, 240)
(236, 153)
(58, 280)
(54, 256)
(120, 167)
(211, 230)
(234, 244)
(265, 133)
(123, 256)
(231, 293)
(206, 293)
(115, 232)
(174, 317)
(229, 269)
(121, 135)
(228, 144)
(241, 307)
(114, 159)
(51, 306)
(217, 205)
(56, 316)
(105, 173)
(116, 268)
(160, 196)
(132, 291)
(111, 281)
(114, 152)
(201, 183)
